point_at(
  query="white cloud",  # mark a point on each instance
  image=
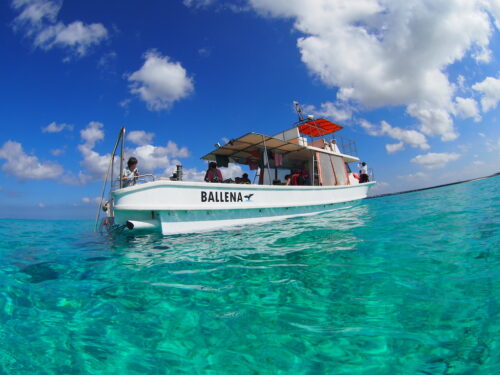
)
(96, 200)
(193, 174)
(204, 52)
(140, 137)
(150, 157)
(389, 52)
(231, 171)
(76, 36)
(95, 165)
(414, 176)
(434, 160)
(41, 205)
(380, 186)
(478, 162)
(38, 20)
(197, 3)
(492, 145)
(494, 7)
(394, 147)
(58, 151)
(34, 12)
(92, 134)
(490, 88)
(339, 111)
(160, 82)
(53, 127)
(467, 108)
(26, 167)
(409, 137)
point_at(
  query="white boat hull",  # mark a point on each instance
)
(189, 207)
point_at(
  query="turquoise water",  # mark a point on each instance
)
(406, 284)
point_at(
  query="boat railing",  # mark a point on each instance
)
(371, 174)
(347, 146)
(141, 179)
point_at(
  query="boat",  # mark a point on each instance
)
(309, 154)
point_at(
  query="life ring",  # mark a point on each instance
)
(356, 176)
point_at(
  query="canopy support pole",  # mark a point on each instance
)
(267, 157)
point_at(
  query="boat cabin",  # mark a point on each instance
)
(306, 154)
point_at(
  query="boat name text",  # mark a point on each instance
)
(223, 196)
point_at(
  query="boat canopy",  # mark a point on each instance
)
(318, 127)
(241, 150)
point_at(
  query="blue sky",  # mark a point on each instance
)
(416, 84)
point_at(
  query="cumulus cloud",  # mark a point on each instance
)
(409, 137)
(467, 108)
(434, 160)
(53, 127)
(337, 111)
(394, 147)
(490, 90)
(95, 165)
(27, 167)
(151, 158)
(160, 82)
(140, 137)
(390, 52)
(38, 20)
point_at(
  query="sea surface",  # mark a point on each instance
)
(404, 284)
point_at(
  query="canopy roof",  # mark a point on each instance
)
(318, 127)
(239, 150)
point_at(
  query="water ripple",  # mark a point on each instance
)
(404, 284)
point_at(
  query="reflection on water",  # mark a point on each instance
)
(333, 231)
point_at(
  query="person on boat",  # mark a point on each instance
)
(131, 173)
(213, 173)
(293, 179)
(363, 172)
(244, 179)
(304, 178)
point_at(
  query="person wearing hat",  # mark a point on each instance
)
(213, 173)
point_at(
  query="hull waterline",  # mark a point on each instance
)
(188, 207)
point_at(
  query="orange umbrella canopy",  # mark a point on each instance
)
(318, 127)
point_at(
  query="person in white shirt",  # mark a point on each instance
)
(130, 173)
(363, 173)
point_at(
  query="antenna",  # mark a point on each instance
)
(299, 110)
